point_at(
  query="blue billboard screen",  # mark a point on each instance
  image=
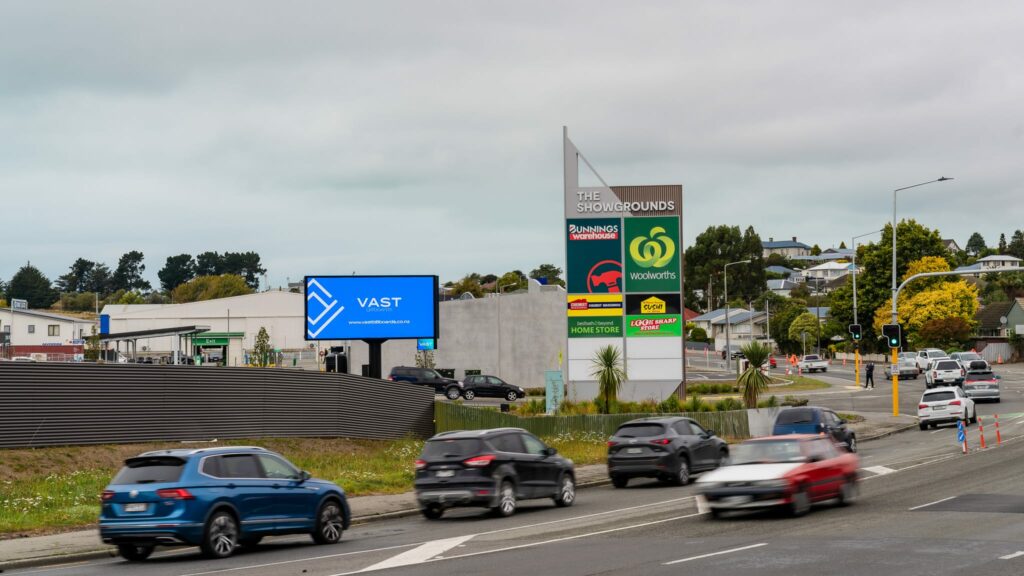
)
(364, 307)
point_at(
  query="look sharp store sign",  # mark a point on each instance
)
(624, 274)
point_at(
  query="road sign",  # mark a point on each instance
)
(960, 436)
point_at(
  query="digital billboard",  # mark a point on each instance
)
(369, 307)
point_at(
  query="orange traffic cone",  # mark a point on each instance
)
(1000, 359)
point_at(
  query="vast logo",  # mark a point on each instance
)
(654, 252)
(314, 291)
(379, 303)
(605, 276)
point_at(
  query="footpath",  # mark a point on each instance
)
(80, 545)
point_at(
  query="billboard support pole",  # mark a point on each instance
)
(375, 345)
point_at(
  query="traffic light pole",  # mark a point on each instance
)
(895, 299)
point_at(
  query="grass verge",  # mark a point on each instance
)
(54, 489)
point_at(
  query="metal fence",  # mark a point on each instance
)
(44, 404)
(447, 416)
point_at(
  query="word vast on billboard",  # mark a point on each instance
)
(371, 307)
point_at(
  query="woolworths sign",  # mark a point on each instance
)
(652, 254)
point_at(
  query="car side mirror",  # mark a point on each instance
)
(842, 421)
(550, 451)
(708, 433)
(303, 476)
(814, 458)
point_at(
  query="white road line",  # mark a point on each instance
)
(1011, 556)
(716, 553)
(420, 554)
(255, 566)
(931, 503)
(553, 541)
(879, 470)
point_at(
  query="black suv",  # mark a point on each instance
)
(427, 377)
(670, 449)
(490, 468)
(492, 386)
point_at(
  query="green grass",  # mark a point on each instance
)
(800, 384)
(54, 489)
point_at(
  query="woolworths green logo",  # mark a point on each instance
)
(655, 251)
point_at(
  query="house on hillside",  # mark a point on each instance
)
(785, 248)
(781, 287)
(993, 319)
(998, 262)
(821, 312)
(951, 245)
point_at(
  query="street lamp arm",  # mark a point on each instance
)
(940, 179)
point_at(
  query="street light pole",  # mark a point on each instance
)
(856, 345)
(725, 287)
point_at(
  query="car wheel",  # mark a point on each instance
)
(974, 417)
(567, 492)
(511, 396)
(432, 512)
(824, 369)
(682, 477)
(453, 393)
(848, 492)
(329, 523)
(135, 552)
(220, 537)
(620, 481)
(715, 513)
(801, 503)
(922, 425)
(469, 394)
(722, 455)
(506, 500)
(852, 443)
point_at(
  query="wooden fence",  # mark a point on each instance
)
(448, 416)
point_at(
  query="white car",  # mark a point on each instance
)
(942, 372)
(907, 364)
(927, 355)
(943, 405)
(967, 358)
(811, 363)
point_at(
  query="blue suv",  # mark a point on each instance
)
(217, 499)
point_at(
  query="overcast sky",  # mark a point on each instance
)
(425, 137)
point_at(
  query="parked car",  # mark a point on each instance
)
(490, 468)
(492, 386)
(981, 385)
(907, 362)
(924, 357)
(943, 405)
(792, 472)
(427, 377)
(969, 359)
(944, 371)
(815, 420)
(812, 363)
(217, 499)
(670, 449)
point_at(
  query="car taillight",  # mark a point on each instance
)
(421, 464)
(175, 494)
(611, 443)
(107, 495)
(479, 461)
(922, 406)
(963, 372)
(935, 374)
(954, 403)
(661, 441)
(392, 378)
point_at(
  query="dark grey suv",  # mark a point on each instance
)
(427, 377)
(490, 468)
(670, 449)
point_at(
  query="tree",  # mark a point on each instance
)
(245, 264)
(1002, 243)
(607, 370)
(753, 382)
(425, 359)
(30, 284)
(551, 273)
(718, 246)
(92, 345)
(77, 277)
(511, 281)
(698, 335)
(956, 299)
(210, 287)
(975, 244)
(128, 275)
(842, 245)
(99, 280)
(261, 348)
(815, 250)
(945, 333)
(209, 264)
(176, 271)
(805, 322)
(467, 284)
(1016, 246)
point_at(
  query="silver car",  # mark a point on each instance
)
(981, 385)
(907, 364)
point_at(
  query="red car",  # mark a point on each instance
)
(791, 472)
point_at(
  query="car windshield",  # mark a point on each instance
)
(766, 452)
(150, 470)
(795, 416)
(968, 356)
(938, 396)
(980, 376)
(459, 448)
(640, 431)
(811, 357)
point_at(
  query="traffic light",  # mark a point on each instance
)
(855, 332)
(892, 334)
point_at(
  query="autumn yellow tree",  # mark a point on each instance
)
(930, 299)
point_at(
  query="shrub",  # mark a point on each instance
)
(794, 401)
(727, 404)
(536, 391)
(533, 407)
(771, 402)
(670, 405)
(695, 404)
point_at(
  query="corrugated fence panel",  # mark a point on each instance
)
(732, 424)
(59, 404)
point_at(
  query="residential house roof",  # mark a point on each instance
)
(49, 315)
(741, 318)
(970, 268)
(999, 258)
(782, 284)
(779, 270)
(715, 314)
(689, 315)
(832, 266)
(823, 257)
(951, 245)
(989, 317)
(772, 244)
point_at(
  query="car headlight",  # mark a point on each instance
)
(461, 385)
(776, 483)
(521, 391)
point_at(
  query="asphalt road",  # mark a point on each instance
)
(925, 509)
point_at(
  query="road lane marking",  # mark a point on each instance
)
(716, 554)
(420, 554)
(879, 470)
(931, 503)
(255, 566)
(1011, 556)
(552, 541)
